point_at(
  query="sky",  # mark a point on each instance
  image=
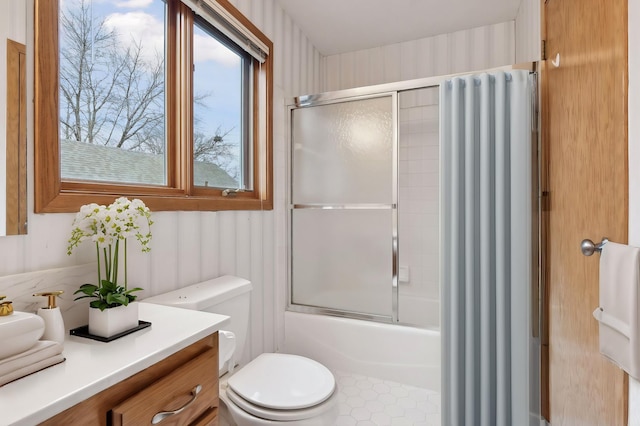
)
(217, 68)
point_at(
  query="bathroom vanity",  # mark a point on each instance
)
(165, 367)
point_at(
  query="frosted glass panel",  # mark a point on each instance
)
(342, 152)
(419, 207)
(341, 259)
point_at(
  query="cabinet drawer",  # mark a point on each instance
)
(175, 392)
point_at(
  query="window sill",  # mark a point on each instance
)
(70, 202)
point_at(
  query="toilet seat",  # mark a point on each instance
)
(282, 387)
(282, 415)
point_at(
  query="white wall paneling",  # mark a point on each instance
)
(256, 246)
(164, 256)
(188, 230)
(209, 248)
(269, 262)
(279, 231)
(462, 51)
(528, 47)
(287, 51)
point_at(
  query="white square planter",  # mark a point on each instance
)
(113, 321)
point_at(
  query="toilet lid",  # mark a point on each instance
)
(325, 410)
(283, 382)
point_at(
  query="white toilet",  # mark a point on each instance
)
(271, 389)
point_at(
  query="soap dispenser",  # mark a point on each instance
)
(6, 308)
(53, 323)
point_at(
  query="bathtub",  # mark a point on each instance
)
(408, 355)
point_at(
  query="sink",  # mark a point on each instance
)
(19, 332)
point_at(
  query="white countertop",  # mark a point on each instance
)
(92, 366)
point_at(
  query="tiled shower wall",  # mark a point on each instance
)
(418, 207)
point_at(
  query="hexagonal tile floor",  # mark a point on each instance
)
(367, 401)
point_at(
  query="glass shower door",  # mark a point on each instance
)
(343, 206)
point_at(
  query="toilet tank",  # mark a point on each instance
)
(226, 295)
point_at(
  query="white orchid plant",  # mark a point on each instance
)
(107, 227)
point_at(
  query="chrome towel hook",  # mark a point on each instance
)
(588, 247)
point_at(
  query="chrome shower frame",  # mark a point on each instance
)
(361, 93)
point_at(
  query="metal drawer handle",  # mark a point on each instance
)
(164, 414)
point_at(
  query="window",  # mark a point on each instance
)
(168, 101)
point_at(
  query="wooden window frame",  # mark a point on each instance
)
(54, 195)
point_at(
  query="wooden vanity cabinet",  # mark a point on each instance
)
(166, 386)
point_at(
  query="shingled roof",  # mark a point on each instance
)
(87, 161)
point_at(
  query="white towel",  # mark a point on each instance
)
(41, 350)
(618, 310)
(32, 368)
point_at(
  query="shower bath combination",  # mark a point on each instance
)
(364, 206)
(384, 181)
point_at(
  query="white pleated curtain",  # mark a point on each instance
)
(486, 254)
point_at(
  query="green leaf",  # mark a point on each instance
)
(88, 289)
(83, 297)
(107, 295)
(117, 299)
(109, 286)
(99, 304)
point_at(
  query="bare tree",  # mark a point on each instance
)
(138, 101)
(113, 95)
(217, 150)
(108, 93)
(82, 54)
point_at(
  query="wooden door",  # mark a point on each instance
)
(585, 146)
